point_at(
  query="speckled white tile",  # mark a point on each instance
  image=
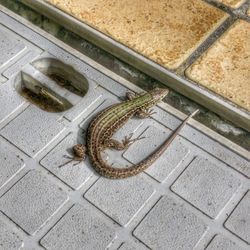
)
(9, 239)
(32, 130)
(220, 242)
(11, 161)
(206, 185)
(74, 175)
(169, 225)
(120, 199)
(80, 228)
(34, 188)
(239, 221)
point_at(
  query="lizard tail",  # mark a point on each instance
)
(118, 173)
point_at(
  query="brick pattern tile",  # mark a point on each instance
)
(80, 228)
(169, 225)
(178, 26)
(224, 68)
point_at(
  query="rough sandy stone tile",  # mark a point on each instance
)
(8, 238)
(32, 201)
(167, 32)
(232, 3)
(221, 242)
(239, 220)
(169, 225)
(206, 185)
(224, 68)
(80, 228)
(248, 12)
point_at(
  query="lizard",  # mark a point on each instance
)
(110, 120)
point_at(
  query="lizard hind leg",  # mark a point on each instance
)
(124, 144)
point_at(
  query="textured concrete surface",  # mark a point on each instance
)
(195, 196)
(166, 32)
(224, 68)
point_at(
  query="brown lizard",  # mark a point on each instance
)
(107, 122)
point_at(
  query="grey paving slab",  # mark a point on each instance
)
(169, 225)
(114, 196)
(30, 125)
(220, 242)
(80, 228)
(239, 221)
(10, 100)
(11, 161)
(9, 239)
(32, 201)
(74, 175)
(206, 185)
(10, 46)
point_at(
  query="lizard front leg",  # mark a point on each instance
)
(124, 144)
(144, 113)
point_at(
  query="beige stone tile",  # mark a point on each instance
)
(166, 31)
(225, 67)
(232, 3)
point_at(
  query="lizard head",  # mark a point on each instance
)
(158, 93)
